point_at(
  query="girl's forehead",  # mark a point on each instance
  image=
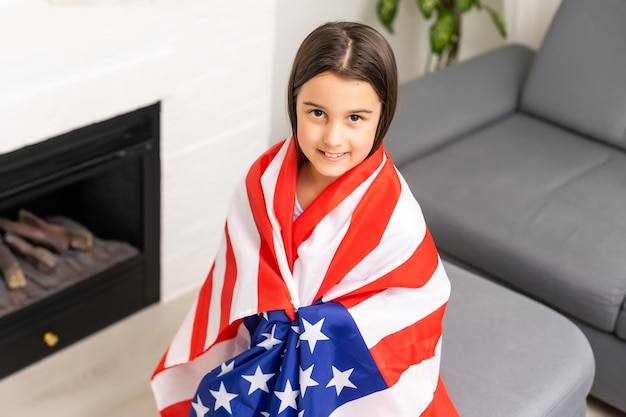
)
(331, 77)
(330, 89)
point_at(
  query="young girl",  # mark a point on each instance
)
(327, 294)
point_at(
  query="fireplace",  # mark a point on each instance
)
(105, 177)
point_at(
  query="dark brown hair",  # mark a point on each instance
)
(350, 50)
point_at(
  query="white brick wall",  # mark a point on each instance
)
(68, 63)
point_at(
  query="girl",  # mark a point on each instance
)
(327, 294)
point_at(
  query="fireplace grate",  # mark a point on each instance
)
(105, 177)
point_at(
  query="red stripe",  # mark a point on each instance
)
(441, 405)
(414, 273)
(201, 319)
(272, 292)
(230, 278)
(285, 197)
(228, 332)
(382, 194)
(396, 352)
(332, 196)
(180, 409)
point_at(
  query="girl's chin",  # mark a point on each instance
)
(329, 175)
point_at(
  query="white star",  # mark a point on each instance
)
(199, 408)
(223, 398)
(258, 380)
(296, 329)
(265, 414)
(287, 397)
(313, 333)
(301, 413)
(264, 314)
(340, 380)
(306, 380)
(270, 341)
(227, 368)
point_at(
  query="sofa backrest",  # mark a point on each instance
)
(578, 78)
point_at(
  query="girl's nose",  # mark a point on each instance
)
(333, 135)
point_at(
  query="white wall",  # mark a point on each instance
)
(68, 63)
(528, 20)
(220, 69)
(295, 19)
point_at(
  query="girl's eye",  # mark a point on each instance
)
(317, 113)
(354, 118)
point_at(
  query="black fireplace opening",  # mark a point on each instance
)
(104, 180)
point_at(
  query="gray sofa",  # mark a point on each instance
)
(497, 363)
(518, 159)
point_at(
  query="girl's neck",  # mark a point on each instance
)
(309, 185)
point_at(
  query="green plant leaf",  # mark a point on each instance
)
(497, 20)
(441, 31)
(427, 7)
(478, 4)
(464, 5)
(386, 11)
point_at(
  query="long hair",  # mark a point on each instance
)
(350, 50)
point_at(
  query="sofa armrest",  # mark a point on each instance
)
(438, 108)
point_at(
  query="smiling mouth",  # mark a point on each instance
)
(333, 155)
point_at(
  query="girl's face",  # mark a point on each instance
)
(337, 122)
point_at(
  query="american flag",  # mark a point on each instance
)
(337, 313)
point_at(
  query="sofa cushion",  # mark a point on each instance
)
(577, 79)
(538, 207)
(501, 349)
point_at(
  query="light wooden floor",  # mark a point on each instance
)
(108, 373)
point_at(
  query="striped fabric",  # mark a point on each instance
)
(336, 313)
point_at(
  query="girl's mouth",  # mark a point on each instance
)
(333, 155)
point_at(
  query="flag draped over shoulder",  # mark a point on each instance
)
(337, 313)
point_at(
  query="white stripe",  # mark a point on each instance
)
(403, 234)
(180, 347)
(409, 397)
(269, 180)
(179, 383)
(316, 253)
(397, 308)
(214, 313)
(246, 244)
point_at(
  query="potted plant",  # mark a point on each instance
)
(445, 30)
